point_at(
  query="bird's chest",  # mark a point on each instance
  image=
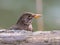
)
(25, 27)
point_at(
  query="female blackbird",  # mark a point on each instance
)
(25, 22)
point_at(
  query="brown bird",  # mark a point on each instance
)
(25, 22)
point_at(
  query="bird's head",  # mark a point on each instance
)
(27, 17)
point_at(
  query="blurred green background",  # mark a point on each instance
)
(51, 13)
(10, 11)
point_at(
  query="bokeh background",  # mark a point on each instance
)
(10, 11)
(51, 13)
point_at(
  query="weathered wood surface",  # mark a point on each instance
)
(17, 37)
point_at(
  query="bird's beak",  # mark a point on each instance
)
(37, 15)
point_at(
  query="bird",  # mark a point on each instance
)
(25, 21)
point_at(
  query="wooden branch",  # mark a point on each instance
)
(22, 37)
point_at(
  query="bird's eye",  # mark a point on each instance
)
(28, 16)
